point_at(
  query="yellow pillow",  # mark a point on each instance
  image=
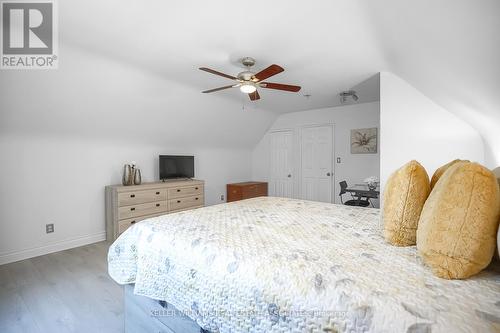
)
(404, 196)
(440, 171)
(458, 226)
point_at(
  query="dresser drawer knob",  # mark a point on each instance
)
(133, 208)
(196, 198)
(157, 205)
(178, 201)
(132, 195)
(178, 190)
(132, 222)
(157, 193)
(195, 188)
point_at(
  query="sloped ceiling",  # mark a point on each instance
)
(450, 51)
(128, 65)
(91, 96)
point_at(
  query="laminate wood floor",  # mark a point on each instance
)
(67, 291)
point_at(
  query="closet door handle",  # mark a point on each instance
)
(157, 193)
(157, 205)
(178, 190)
(132, 195)
(133, 208)
(178, 201)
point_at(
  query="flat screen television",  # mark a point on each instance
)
(172, 166)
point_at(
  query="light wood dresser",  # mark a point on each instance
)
(126, 205)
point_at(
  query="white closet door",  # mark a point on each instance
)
(317, 163)
(281, 178)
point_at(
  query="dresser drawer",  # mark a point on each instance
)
(249, 191)
(142, 209)
(124, 224)
(179, 192)
(253, 191)
(234, 193)
(245, 190)
(138, 197)
(187, 202)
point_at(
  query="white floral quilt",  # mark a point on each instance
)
(283, 265)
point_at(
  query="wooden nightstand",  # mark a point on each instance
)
(246, 190)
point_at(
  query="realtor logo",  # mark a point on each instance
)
(29, 36)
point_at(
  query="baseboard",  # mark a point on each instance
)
(51, 248)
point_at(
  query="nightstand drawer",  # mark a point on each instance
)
(187, 191)
(142, 209)
(138, 197)
(249, 191)
(187, 202)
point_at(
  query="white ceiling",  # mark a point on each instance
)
(324, 46)
(448, 49)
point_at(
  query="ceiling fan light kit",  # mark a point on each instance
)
(248, 88)
(249, 82)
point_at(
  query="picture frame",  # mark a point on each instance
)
(364, 140)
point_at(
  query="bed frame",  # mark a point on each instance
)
(144, 314)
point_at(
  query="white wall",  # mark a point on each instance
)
(354, 168)
(61, 180)
(414, 127)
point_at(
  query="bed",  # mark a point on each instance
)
(284, 265)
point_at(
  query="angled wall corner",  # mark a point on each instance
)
(488, 125)
(415, 127)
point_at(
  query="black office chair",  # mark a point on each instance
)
(371, 195)
(353, 202)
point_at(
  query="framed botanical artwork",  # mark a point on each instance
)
(364, 141)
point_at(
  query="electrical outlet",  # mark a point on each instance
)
(49, 228)
(222, 197)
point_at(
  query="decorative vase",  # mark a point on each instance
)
(137, 177)
(127, 178)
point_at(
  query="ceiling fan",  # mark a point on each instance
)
(248, 81)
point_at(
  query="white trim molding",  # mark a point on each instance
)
(9, 257)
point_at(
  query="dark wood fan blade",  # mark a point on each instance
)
(217, 73)
(268, 72)
(254, 96)
(280, 86)
(217, 89)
